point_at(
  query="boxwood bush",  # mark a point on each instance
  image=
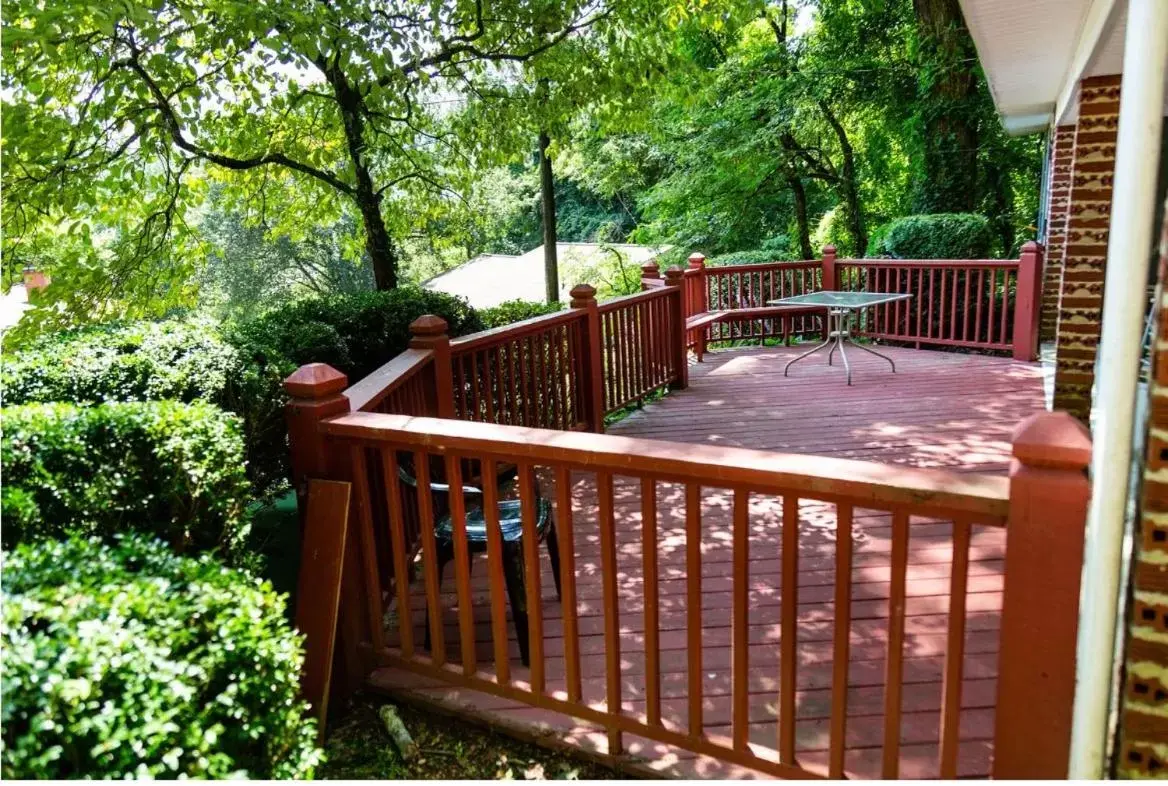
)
(938, 236)
(123, 660)
(511, 311)
(354, 333)
(240, 369)
(175, 470)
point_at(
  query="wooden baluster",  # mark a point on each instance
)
(894, 662)
(693, 585)
(953, 319)
(789, 635)
(977, 309)
(495, 570)
(611, 610)
(466, 634)
(565, 537)
(965, 309)
(651, 590)
(917, 301)
(1004, 332)
(401, 571)
(954, 651)
(930, 320)
(993, 297)
(531, 576)
(841, 641)
(430, 559)
(740, 726)
(943, 323)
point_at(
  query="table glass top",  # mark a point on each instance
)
(840, 299)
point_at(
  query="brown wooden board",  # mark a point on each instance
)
(318, 591)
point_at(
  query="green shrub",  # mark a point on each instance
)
(353, 333)
(124, 660)
(241, 369)
(751, 257)
(515, 311)
(938, 236)
(138, 361)
(171, 469)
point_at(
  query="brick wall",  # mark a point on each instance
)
(1085, 255)
(1143, 725)
(1058, 200)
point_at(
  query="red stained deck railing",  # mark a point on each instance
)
(909, 497)
(984, 304)
(526, 395)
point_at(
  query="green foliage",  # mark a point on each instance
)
(938, 236)
(150, 361)
(515, 311)
(354, 333)
(168, 469)
(124, 660)
(773, 249)
(137, 361)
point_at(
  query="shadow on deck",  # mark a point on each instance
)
(939, 410)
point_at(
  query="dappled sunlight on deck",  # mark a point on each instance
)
(939, 410)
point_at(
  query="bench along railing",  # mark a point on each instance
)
(1041, 506)
(987, 304)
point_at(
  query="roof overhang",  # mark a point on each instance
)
(1035, 52)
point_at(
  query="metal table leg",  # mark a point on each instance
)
(838, 331)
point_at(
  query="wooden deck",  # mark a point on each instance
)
(940, 410)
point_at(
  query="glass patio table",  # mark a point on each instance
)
(841, 306)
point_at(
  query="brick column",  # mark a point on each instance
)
(1143, 720)
(1088, 220)
(1055, 240)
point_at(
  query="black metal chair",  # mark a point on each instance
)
(511, 528)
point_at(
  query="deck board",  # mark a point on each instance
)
(939, 410)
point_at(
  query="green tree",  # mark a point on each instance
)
(116, 115)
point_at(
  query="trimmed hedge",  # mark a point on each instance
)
(938, 236)
(352, 333)
(166, 468)
(511, 311)
(124, 660)
(137, 361)
(241, 369)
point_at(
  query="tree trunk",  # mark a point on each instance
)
(801, 221)
(947, 182)
(547, 198)
(849, 183)
(378, 244)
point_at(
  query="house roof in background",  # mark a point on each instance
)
(491, 279)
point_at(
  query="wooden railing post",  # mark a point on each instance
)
(429, 332)
(649, 272)
(1028, 302)
(675, 279)
(592, 359)
(315, 391)
(698, 296)
(314, 394)
(1049, 491)
(830, 276)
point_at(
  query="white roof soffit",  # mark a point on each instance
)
(1034, 52)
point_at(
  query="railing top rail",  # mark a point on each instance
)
(374, 387)
(756, 266)
(948, 263)
(519, 329)
(617, 302)
(982, 498)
